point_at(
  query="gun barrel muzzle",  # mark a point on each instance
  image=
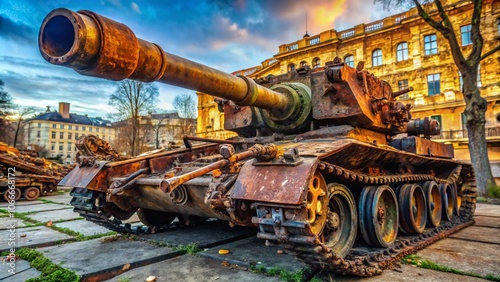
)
(96, 46)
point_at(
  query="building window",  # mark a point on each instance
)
(54, 125)
(403, 84)
(316, 63)
(53, 134)
(377, 58)
(433, 84)
(479, 84)
(69, 147)
(464, 121)
(39, 125)
(61, 135)
(303, 64)
(430, 45)
(76, 127)
(291, 67)
(349, 60)
(498, 26)
(466, 38)
(402, 51)
(70, 135)
(292, 47)
(460, 82)
(52, 146)
(104, 130)
(70, 127)
(61, 126)
(314, 40)
(76, 136)
(38, 134)
(61, 145)
(83, 128)
(104, 137)
(90, 129)
(97, 129)
(438, 118)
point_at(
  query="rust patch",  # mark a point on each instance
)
(275, 184)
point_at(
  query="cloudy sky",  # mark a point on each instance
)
(224, 34)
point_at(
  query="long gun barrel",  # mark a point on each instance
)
(94, 45)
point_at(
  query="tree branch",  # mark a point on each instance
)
(449, 33)
(425, 16)
(477, 39)
(489, 53)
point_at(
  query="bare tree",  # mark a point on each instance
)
(22, 114)
(133, 99)
(5, 100)
(5, 108)
(434, 13)
(185, 105)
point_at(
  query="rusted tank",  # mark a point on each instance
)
(27, 176)
(327, 161)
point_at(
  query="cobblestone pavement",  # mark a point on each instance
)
(50, 225)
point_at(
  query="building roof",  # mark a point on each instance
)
(73, 118)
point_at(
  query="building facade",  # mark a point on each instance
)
(156, 131)
(56, 132)
(405, 51)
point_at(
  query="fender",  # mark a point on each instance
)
(279, 184)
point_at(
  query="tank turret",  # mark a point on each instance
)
(328, 162)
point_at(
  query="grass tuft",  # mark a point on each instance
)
(50, 272)
(188, 249)
(428, 264)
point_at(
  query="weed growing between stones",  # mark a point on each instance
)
(188, 249)
(50, 272)
(424, 263)
(285, 275)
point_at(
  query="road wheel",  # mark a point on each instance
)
(378, 215)
(7, 194)
(412, 208)
(341, 227)
(31, 193)
(434, 203)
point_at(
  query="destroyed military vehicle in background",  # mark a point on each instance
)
(327, 162)
(32, 176)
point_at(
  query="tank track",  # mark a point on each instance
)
(368, 261)
(84, 202)
(361, 261)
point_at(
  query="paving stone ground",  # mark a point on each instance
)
(475, 249)
(56, 215)
(9, 269)
(252, 251)
(32, 237)
(64, 199)
(7, 222)
(84, 227)
(189, 268)
(469, 256)
(39, 207)
(98, 259)
(4, 205)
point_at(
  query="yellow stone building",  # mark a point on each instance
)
(405, 51)
(56, 131)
